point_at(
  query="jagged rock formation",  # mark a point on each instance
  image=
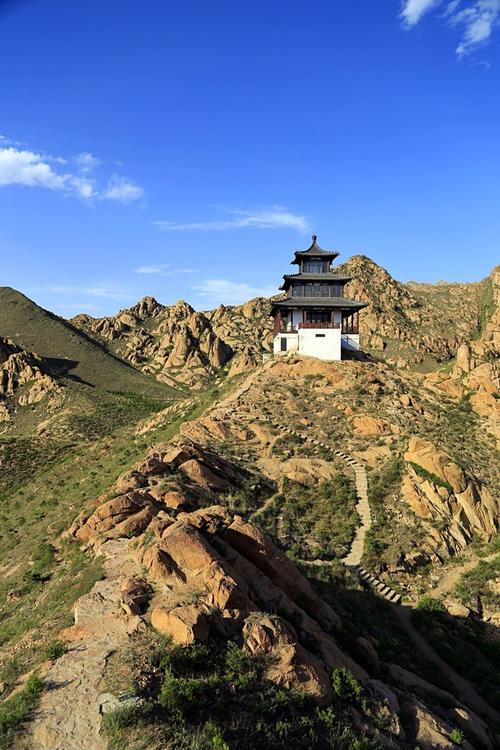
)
(209, 573)
(24, 375)
(443, 496)
(176, 344)
(413, 323)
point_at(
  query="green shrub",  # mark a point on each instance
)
(345, 685)
(54, 650)
(184, 697)
(457, 736)
(429, 476)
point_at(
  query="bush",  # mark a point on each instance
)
(54, 650)
(185, 697)
(456, 736)
(345, 685)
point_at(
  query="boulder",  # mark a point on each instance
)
(124, 515)
(291, 665)
(370, 426)
(184, 625)
(134, 595)
(463, 361)
(203, 476)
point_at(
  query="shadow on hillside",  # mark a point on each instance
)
(61, 367)
(457, 658)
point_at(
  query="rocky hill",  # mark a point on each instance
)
(411, 325)
(178, 345)
(215, 563)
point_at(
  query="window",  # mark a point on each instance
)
(317, 316)
(313, 266)
(320, 335)
(337, 290)
(298, 290)
(283, 344)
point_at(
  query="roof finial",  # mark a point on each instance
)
(314, 237)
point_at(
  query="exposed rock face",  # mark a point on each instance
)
(408, 323)
(184, 625)
(178, 344)
(291, 665)
(231, 567)
(447, 494)
(24, 375)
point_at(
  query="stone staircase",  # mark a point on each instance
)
(353, 558)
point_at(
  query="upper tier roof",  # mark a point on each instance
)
(325, 277)
(314, 251)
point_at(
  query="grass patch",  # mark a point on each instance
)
(16, 710)
(313, 522)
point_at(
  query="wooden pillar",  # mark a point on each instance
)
(357, 321)
(277, 322)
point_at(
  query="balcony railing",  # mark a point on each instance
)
(313, 325)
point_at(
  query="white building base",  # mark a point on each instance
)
(350, 341)
(322, 343)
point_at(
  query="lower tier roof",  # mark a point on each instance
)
(330, 302)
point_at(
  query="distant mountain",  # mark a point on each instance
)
(66, 348)
(412, 325)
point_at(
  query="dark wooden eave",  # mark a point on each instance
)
(317, 303)
(324, 277)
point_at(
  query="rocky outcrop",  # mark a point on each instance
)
(24, 375)
(177, 344)
(453, 505)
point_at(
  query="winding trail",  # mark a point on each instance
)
(69, 714)
(451, 577)
(465, 688)
(353, 558)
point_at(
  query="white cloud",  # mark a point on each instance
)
(23, 166)
(224, 292)
(122, 189)
(413, 10)
(104, 291)
(478, 21)
(162, 269)
(275, 217)
(28, 168)
(477, 18)
(87, 162)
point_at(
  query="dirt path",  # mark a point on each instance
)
(451, 577)
(465, 689)
(68, 716)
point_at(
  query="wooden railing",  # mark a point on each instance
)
(313, 324)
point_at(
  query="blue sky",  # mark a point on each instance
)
(186, 149)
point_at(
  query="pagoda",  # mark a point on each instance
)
(314, 318)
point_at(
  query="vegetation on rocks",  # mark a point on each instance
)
(215, 696)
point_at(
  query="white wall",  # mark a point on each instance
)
(323, 343)
(292, 341)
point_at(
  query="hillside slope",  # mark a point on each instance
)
(66, 348)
